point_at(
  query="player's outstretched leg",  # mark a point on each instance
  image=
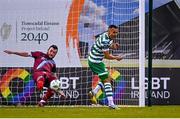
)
(46, 97)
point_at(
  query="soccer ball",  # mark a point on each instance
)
(55, 85)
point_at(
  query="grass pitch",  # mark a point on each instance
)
(90, 112)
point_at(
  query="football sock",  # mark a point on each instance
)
(40, 84)
(109, 93)
(97, 88)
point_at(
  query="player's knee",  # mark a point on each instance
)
(40, 84)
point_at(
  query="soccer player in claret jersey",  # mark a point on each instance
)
(100, 50)
(43, 70)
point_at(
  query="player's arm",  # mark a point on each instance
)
(23, 54)
(109, 56)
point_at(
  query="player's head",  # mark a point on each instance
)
(112, 31)
(52, 51)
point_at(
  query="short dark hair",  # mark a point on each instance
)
(112, 26)
(53, 46)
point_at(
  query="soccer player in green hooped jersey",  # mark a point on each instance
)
(99, 51)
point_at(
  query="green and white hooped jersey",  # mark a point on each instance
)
(101, 44)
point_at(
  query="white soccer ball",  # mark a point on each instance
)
(55, 85)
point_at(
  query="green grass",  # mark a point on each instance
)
(90, 112)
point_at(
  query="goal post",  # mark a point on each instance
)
(141, 53)
(72, 25)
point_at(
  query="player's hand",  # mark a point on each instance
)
(8, 52)
(115, 45)
(118, 58)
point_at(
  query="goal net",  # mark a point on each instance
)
(71, 25)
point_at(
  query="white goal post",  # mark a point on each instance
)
(142, 53)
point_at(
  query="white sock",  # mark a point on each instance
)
(97, 88)
(110, 100)
(109, 93)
